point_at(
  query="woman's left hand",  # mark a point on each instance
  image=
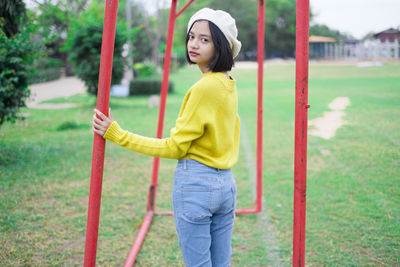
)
(100, 126)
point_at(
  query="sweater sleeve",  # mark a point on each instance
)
(189, 126)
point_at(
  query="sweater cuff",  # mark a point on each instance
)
(113, 132)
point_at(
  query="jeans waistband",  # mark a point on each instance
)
(191, 163)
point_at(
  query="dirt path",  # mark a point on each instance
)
(327, 125)
(66, 86)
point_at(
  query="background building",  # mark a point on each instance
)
(381, 45)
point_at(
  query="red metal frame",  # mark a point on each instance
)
(173, 15)
(300, 147)
(300, 130)
(103, 97)
(156, 162)
(257, 206)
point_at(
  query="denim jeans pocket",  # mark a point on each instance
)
(196, 201)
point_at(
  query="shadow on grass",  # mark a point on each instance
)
(71, 125)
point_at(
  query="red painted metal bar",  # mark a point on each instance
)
(184, 8)
(246, 211)
(103, 96)
(156, 162)
(257, 206)
(164, 90)
(260, 83)
(300, 155)
(169, 213)
(140, 236)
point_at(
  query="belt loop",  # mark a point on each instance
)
(184, 164)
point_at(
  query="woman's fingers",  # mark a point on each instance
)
(98, 112)
(101, 115)
(109, 114)
(109, 119)
(100, 125)
(96, 120)
(99, 132)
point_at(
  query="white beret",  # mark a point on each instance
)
(224, 22)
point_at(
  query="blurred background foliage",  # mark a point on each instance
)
(17, 53)
(66, 36)
(56, 23)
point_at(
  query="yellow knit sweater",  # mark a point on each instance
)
(207, 129)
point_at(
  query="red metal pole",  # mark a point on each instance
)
(103, 96)
(156, 163)
(184, 8)
(260, 59)
(300, 155)
(140, 236)
(164, 92)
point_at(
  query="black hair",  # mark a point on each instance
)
(223, 55)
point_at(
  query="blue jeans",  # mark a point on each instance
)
(204, 200)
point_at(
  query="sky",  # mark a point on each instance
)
(357, 17)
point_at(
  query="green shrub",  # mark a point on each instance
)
(48, 63)
(144, 70)
(16, 57)
(147, 87)
(46, 69)
(41, 76)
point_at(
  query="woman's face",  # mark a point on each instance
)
(200, 45)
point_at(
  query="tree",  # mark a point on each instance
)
(141, 50)
(151, 30)
(52, 19)
(156, 27)
(245, 14)
(84, 47)
(280, 28)
(12, 13)
(85, 54)
(280, 22)
(323, 30)
(16, 56)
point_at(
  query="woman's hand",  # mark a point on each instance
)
(100, 126)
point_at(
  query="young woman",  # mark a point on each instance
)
(205, 140)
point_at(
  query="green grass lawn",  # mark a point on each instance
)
(353, 182)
